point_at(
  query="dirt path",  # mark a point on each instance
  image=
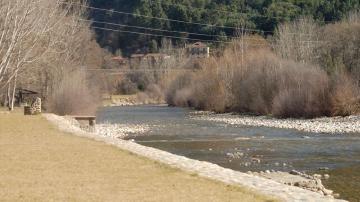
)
(38, 163)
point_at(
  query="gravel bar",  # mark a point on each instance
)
(331, 125)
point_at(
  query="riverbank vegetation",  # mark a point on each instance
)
(46, 48)
(312, 73)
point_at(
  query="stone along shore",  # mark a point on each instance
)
(332, 125)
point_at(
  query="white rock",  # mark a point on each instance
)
(326, 176)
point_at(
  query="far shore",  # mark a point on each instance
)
(329, 125)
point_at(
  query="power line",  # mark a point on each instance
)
(173, 20)
(202, 40)
(141, 33)
(159, 35)
(151, 29)
(166, 19)
(163, 30)
(186, 22)
(183, 32)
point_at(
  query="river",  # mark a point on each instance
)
(245, 148)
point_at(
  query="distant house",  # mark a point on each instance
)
(198, 50)
(150, 59)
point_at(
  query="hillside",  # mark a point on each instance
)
(257, 15)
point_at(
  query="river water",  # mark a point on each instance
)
(245, 148)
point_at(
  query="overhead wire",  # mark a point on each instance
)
(186, 38)
(181, 32)
(163, 30)
(169, 19)
(155, 29)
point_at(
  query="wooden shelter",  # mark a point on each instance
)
(24, 96)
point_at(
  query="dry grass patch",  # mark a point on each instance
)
(40, 163)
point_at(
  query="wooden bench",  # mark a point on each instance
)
(91, 119)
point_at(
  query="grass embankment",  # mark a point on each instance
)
(38, 162)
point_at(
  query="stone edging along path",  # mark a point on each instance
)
(204, 169)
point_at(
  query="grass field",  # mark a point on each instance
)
(40, 163)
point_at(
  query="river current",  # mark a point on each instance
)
(245, 148)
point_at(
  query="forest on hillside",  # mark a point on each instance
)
(261, 16)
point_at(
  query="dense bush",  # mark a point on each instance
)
(178, 93)
(264, 84)
(74, 96)
(311, 74)
(127, 87)
(303, 91)
(345, 98)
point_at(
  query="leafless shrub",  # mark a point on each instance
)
(178, 93)
(303, 92)
(127, 87)
(155, 93)
(298, 40)
(73, 96)
(208, 91)
(340, 52)
(345, 97)
(262, 84)
(255, 84)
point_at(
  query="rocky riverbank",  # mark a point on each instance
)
(332, 125)
(299, 179)
(204, 169)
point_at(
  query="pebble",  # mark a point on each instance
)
(317, 176)
(255, 160)
(295, 172)
(327, 192)
(326, 176)
(336, 195)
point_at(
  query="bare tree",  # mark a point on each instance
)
(38, 40)
(298, 40)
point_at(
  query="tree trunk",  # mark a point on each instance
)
(13, 93)
(8, 96)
